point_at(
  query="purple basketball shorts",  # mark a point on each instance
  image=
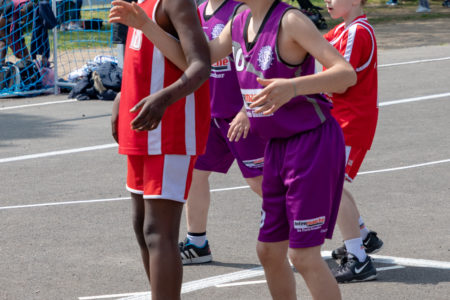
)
(302, 186)
(220, 152)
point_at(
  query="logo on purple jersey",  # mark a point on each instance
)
(263, 218)
(310, 224)
(217, 30)
(265, 57)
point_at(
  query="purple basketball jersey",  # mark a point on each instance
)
(226, 99)
(261, 59)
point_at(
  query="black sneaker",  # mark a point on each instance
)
(351, 269)
(372, 244)
(191, 254)
(339, 253)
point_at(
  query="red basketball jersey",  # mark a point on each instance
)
(356, 110)
(184, 127)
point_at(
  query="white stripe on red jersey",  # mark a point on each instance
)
(184, 126)
(356, 110)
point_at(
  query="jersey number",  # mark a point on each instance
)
(136, 40)
(239, 60)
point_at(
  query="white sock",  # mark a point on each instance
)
(363, 230)
(197, 240)
(355, 247)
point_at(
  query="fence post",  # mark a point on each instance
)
(55, 45)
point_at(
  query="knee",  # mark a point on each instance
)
(303, 259)
(138, 222)
(137, 219)
(268, 255)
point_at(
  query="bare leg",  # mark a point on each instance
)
(279, 275)
(348, 217)
(197, 205)
(138, 213)
(161, 230)
(255, 184)
(315, 272)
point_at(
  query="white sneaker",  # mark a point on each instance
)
(422, 9)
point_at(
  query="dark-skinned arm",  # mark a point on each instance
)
(182, 15)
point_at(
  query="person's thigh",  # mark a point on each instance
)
(313, 172)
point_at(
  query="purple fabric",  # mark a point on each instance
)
(302, 186)
(226, 99)
(261, 59)
(220, 152)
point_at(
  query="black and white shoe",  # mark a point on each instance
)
(351, 269)
(372, 244)
(191, 254)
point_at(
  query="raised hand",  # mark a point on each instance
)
(129, 14)
(276, 93)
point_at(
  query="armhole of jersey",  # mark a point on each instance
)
(367, 63)
(276, 43)
(158, 2)
(231, 20)
(235, 11)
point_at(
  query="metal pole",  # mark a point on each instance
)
(55, 46)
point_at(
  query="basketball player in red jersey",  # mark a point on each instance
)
(161, 122)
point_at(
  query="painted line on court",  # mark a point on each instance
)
(54, 153)
(412, 262)
(64, 203)
(406, 167)
(241, 283)
(214, 190)
(102, 200)
(407, 100)
(37, 104)
(379, 66)
(107, 146)
(413, 62)
(265, 281)
(258, 271)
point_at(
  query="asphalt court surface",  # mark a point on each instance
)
(65, 215)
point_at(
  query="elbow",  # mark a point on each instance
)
(350, 80)
(205, 71)
(352, 77)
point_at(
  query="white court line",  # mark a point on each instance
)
(264, 281)
(413, 62)
(112, 296)
(241, 283)
(102, 200)
(106, 146)
(379, 66)
(406, 167)
(216, 190)
(423, 98)
(60, 152)
(37, 104)
(258, 271)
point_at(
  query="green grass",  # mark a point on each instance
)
(81, 39)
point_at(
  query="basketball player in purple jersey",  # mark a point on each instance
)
(226, 108)
(273, 46)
